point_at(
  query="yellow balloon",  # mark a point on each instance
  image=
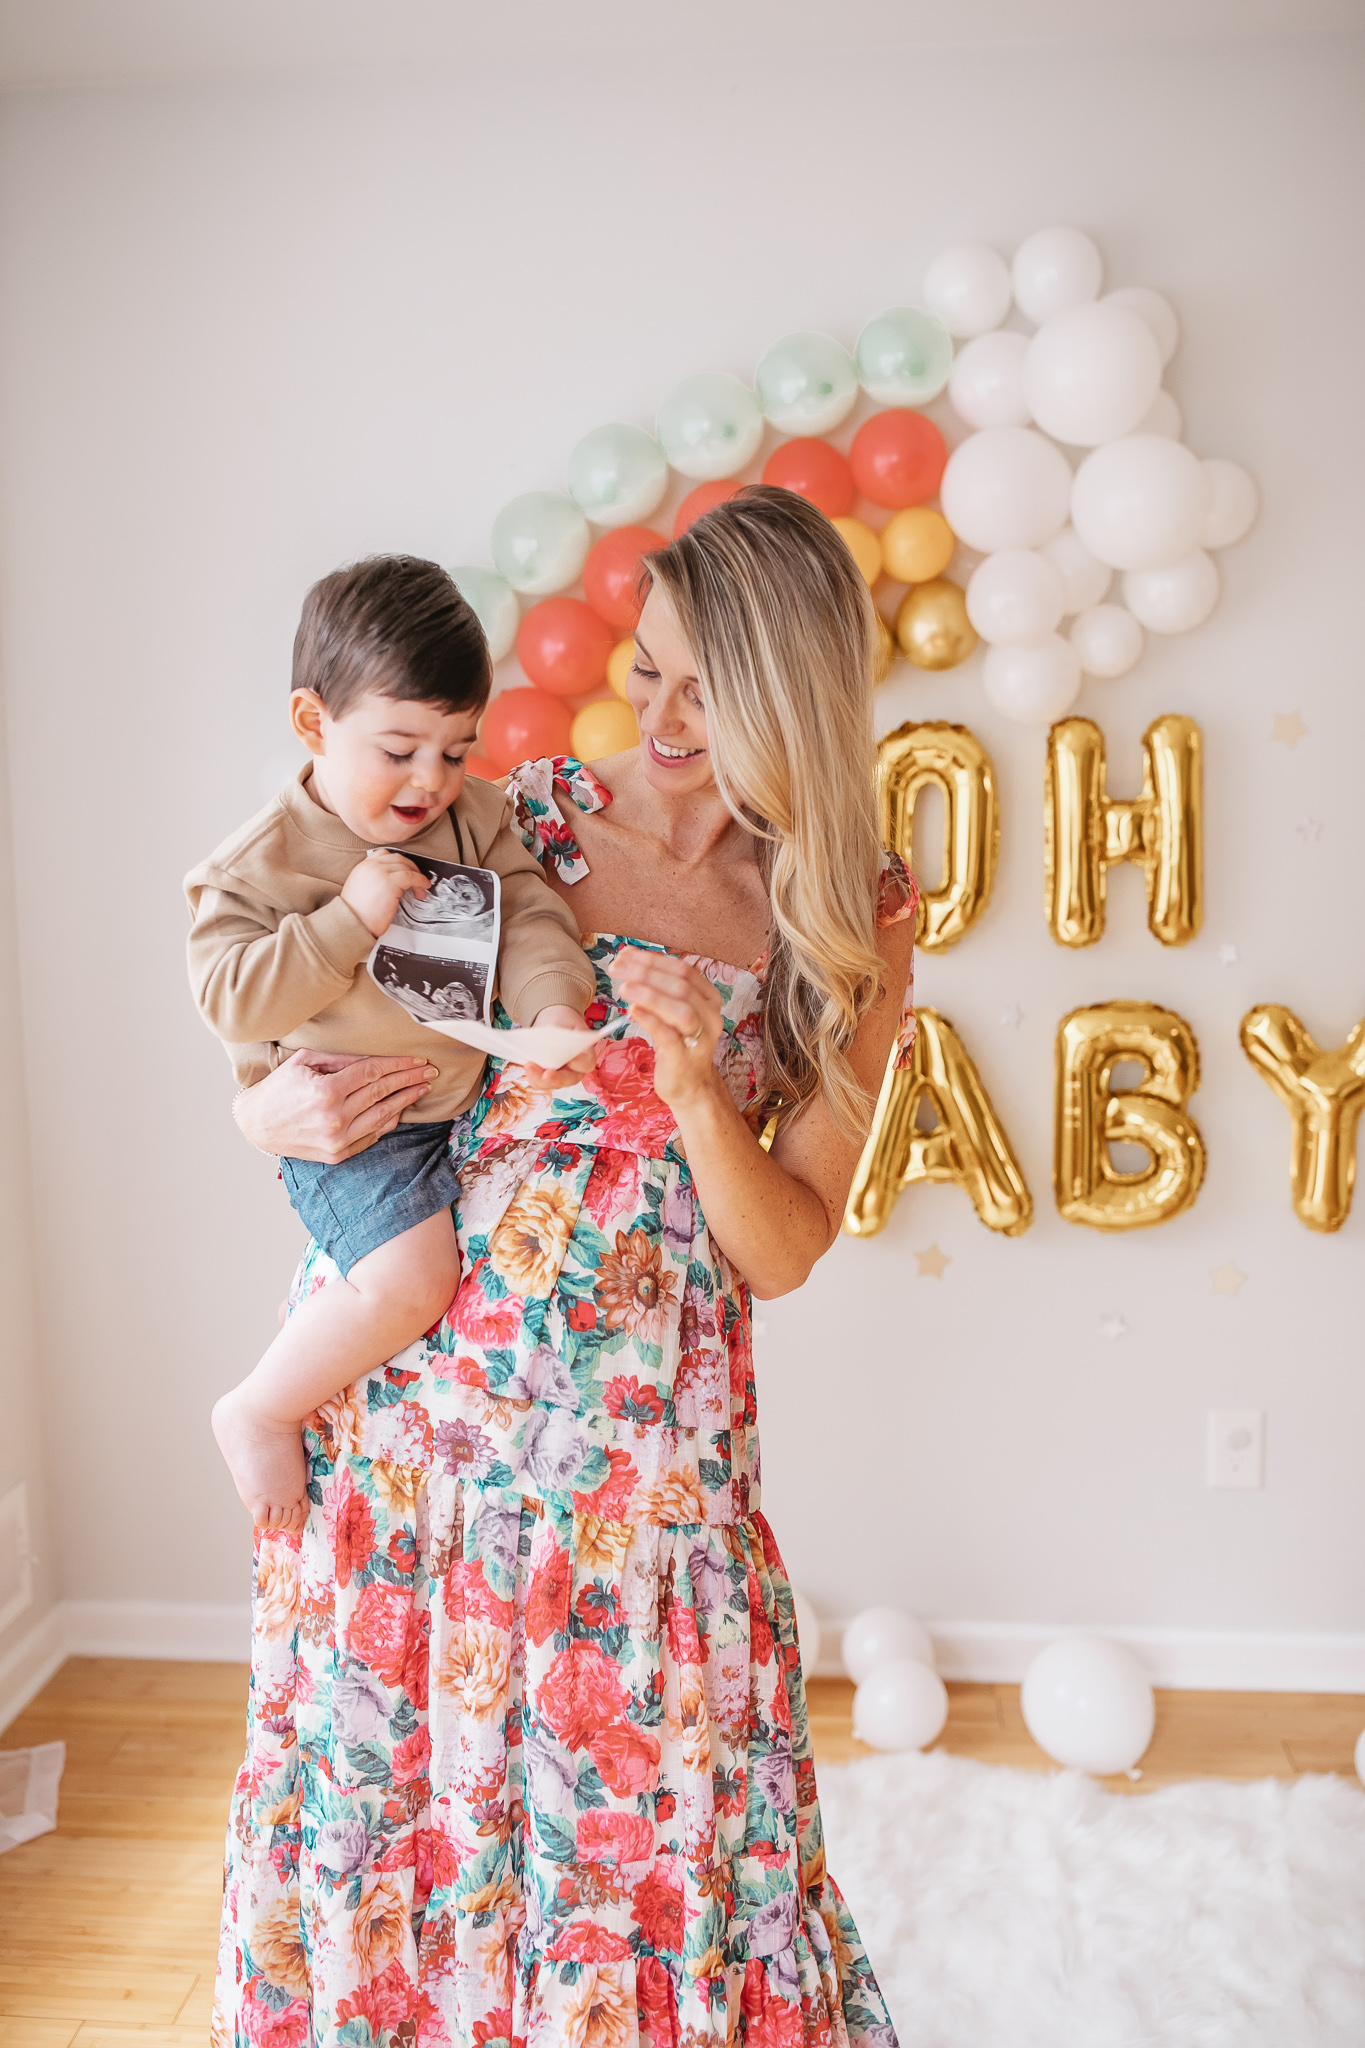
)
(1324, 1093)
(1086, 831)
(606, 726)
(955, 760)
(932, 625)
(1089, 1187)
(886, 651)
(619, 664)
(967, 1144)
(864, 546)
(917, 544)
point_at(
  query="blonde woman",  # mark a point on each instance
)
(529, 1757)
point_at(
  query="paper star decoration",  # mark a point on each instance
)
(1013, 1017)
(1114, 1327)
(1226, 1279)
(1227, 956)
(1309, 828)
(931, 1263)
(1289, 729)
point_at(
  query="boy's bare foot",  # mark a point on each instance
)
(265, 1459)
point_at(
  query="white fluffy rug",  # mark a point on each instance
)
(1008, 1909)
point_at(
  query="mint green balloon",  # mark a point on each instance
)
(494, 604)
(618, 475)
(710, 426)
(540, 543)
(904, 356)
(806, 384)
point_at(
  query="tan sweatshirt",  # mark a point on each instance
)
(277, 960)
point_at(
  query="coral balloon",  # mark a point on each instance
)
(898, 457)
(478, 764)
(606, 727)
(815, 471)
(864, 546)
(522, 725)
(697, 503)
(611, 574)
(563, 646)
(1086, 831)
(932, 625)
(1090, 1118)
(917, 544)
(620, 662)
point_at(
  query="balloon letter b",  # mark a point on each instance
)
(967, 1144)
(1324, 1093)
(956, 761)
(1162, 831)
(1089, 1187)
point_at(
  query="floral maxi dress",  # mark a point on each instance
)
(528, 1758)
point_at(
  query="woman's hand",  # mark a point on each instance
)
(327, 1106)
(682, 1012)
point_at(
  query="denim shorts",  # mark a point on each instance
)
(354, 1207)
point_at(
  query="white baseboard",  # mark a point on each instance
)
(187, 1632)
(1184, 1659)
(37, 1656)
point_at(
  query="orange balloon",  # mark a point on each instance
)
(563, 646)
(620, 662)
(606, 726)
(478, 764)
(864, 546)
(917, 544)
(611, 574)
(704, 499)
(521, 725)
(813, 470)
(898, 457)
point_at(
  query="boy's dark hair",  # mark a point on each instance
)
(394, 624)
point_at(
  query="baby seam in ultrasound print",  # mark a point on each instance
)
(439, 955)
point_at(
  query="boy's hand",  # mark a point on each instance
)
(375, 885)
(565, 1076)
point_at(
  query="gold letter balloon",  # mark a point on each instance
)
(1087, 831)
(1324, 1093)
(1089, 1187)
(967, 1143)
(955, 760)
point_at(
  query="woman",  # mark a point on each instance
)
(528, 1744)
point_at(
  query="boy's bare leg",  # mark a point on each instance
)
(388, 1300)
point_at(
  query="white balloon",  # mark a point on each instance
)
(1091, 373)
(902, 1705)
(1032, 684)
(710, 426)
(494, 602)
(1108, 640)
(987, 385)
(1163, 417)
(879, 1635)
(1233, 504)
(1174, 596)
(1360, 1757)
(1159, 314)
(1139, 501)
(1016, 595)
(968, 286)
(1054, 269)
(808, 1631)
(1088, 1703)
(1085, 576)
(1006, 487)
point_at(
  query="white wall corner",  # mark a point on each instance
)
(26, 1668)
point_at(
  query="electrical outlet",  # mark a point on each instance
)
(1236, 1454)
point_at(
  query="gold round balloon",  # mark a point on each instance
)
(917, 544)
(932, 625)
(619, 664)
(886, 651)
(864, 546)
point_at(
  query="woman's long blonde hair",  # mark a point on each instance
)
(782, 628)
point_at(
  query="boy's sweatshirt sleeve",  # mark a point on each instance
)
(540, 958)
(258, 974)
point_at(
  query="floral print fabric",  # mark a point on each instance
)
(528, 1758)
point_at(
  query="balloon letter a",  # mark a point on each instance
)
(1089, 1187)
(1087, 830)
(966, 1144)
(1324, 1093)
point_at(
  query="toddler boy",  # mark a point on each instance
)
(391, 673)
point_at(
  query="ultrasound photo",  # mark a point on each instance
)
(460, 905)
(433, 991)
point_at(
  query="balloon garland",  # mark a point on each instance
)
(1071, 470)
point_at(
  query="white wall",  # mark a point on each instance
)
(248, 331)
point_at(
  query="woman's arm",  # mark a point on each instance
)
(773, 1213)
(327, 1106)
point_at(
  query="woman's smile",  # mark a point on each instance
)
(665, 754)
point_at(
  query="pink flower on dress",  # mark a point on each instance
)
(605, 1837)
(623, 1080)
(411, 1757)
(581, 1694)
(627, 1759)
(377, 1632)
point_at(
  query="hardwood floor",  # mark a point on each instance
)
(108, 1927)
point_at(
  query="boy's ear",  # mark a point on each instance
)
(306, 713)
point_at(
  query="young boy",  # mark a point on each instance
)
(391, 672)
